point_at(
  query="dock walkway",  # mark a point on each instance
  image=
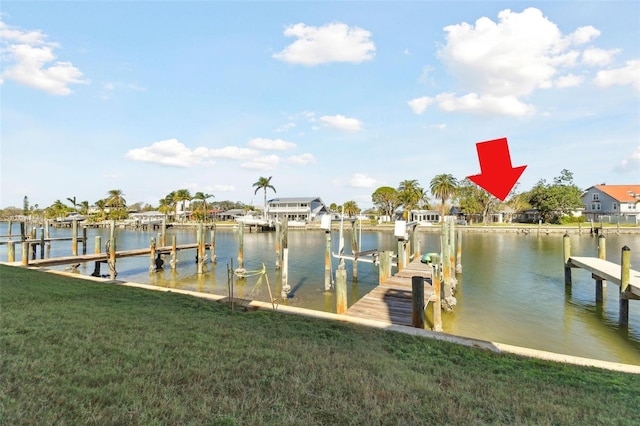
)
(391, 301)
(607, 271)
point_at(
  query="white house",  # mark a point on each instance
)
(612, 203)
(302, 209)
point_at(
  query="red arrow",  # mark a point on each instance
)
(497, 176)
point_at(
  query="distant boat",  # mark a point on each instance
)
(71, 217)
(251, 219)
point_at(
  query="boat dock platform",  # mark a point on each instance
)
(391, 301)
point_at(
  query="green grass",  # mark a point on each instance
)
(79, 352)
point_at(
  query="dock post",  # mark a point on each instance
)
(285, 287)
(437, 296)
(446, 261)
(417, 293)
(600, 283)
(415, 243)
(241, 246)
(25, 253)
(41, 243)
(400, 254)
(174, 252)
(112, 250)
(200, 249)
(74, 237)
(84, 240)
(212, 246)
(278, 232)
(327, 261)
(566, 252)
(11, 251)
(384, 267)
(341, 288)
(163, 232)
(625, 274)
(97, 243)
(459, 252)
(9, 227)
(354, 250)
(152, 255)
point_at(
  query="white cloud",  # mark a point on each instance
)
(631, 164)
(360, 180)
(335, 42)
(301, 160)
(168, 152)
(419, 105)
(341, 122)
(499, 63)
(487, 104)
(269, 162)
(28, 59)
(271, 144)
(569, 80)
(285, 127)
(629, 74)
(598, 57)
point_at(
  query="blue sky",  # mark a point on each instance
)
(331, 99)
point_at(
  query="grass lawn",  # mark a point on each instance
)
(78, 352)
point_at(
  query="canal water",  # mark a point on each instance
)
(511, 290)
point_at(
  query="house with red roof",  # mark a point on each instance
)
(612, 203)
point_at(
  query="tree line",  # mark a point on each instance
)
(553, 201)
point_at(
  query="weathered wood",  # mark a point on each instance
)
(437, 302)
(354, 250)
(417, 291)
(600, 283)
(74, 235)
(625, 276)
(566, 253)
(11, 251)
(384, 268)
(341, 289)
(241, 246)
(327, 261)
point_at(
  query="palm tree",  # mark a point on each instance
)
(84, 207)
(115, 198)
(409, 193)
(181, 196)
(202, 196)
(101, 205)
(351, 208)
(73, 202)
(264, 184)
(443, 186)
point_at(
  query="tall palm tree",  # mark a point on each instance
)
(203, 197)
(101, 205)
(84, 207)
(264, 184)
(73, 202)
(115, 198)
(181, 196)
(351, 208)
(443, 187)
(409, 193)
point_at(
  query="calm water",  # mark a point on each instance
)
(511, 290)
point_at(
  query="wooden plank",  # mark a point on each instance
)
(607, 270)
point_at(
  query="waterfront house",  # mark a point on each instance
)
(612, 203)
(299, 209)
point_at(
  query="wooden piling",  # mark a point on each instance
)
(163, 232)
(341, 288)
(354, 250)
(400, 254)
(97, 244)
(384, 266)
(327, 261)
(446, 262)
(566, 252)
(201, 248)
(625, 276)
(284, 275)
(415, 243)
(25, 253)
(84, 240)
(41, 243)
(11, 251)
(278, 255)
(212, 245)
(437, 301)
(112, 250)
(600, 283)
(74, 237)
(459, 252)
(241, 246)
(152, 255)
(417, 294)
(174, 252)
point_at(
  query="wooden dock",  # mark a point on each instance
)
(607, 271)
(103, 257)
(391, 301)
